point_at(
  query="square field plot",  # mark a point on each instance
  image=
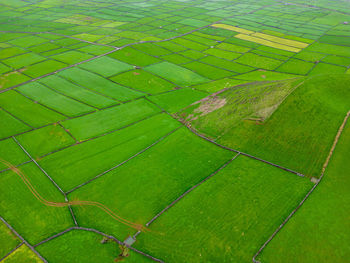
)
(228, 217)
(145, 185)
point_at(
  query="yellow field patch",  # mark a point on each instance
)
(282, 41)
(233, 28)
(265, 39)
(267, 42)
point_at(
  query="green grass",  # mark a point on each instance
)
(178, 99)
(26, 110)
(91, 158)
(76, 92)
(142, 80)
(22, 254)
(99, 84)
(295, 66)
(109, 119)
(106, 66)
(18, 206)
(45, 140)
(176, 74)
(132, 56)
(71, 57)
(321, 226)
(44, 67)
(54, 100)
(145, 185)
(228, 217)
(258, 61)
(23, 60)
(299, 133)
(208, 71)
(13, 125)
(8, 240)
(85, 246)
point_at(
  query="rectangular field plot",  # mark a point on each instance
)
(134, 57)
(10, 125)
(71, 57)
(43, 68)
(79, 93)
(99, 84)
(227, 218)
(94, 157)
(178, 99)
(106, 66)
(45, 140)
(296, 66)
(87, 247)
(142, 80)
(26, 110)
(23, 60)
(8, 240)
(322, 224)
(54, 100)
(176, 74)
(110, 119)
(11, 153)
(145, 185)
(19, 207)
(257, 61)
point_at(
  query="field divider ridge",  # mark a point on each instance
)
(340, 130)
(97, 232)
(23, 240)
(125, 161)
(48, 176)
(13, 250)
(187, 192)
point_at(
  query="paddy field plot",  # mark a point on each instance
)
(190, 130)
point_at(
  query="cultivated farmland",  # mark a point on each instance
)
(174, 131)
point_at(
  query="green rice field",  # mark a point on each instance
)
(179, 131)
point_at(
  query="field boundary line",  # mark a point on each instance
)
(42, 170)
(127, 45)
(18, 165)
(23, 240)
(335, 141)
(187, 192)
(36, 163)
(125, 161)
(97, 232)
(9, 253)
